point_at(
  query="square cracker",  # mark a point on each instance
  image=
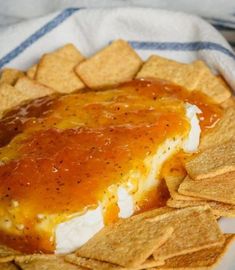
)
(93, 264)
(57, 73)
(209, 84)
(213, 161)
(31, 72)
(200, 260)
(218, 208)
(152, 213)
(10, 97)
(223, 81)
(228, 103)
(150, 262)
(222, 132)
(32, 88)
(173, 182)
(101, 265)
(127, 243)
(44, 262)
(112, 65)
(220, 188)
(10, 75)
(7, 254)
(68, 51)
(194, 76)
(195, 228)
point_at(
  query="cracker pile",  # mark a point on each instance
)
(184, 235)
(210, 173)
(163, 238)
(66, 70)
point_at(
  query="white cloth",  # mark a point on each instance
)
(12, 11)
(171, 34)
(220, 13)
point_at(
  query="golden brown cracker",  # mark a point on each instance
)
(209, 84)
(158, 67)
(204, 259)
(10, 75)
(222, 132)
(220, 188)
(218, 208)
(112, 65)
(69, 52)
(230, 102)
(191, 231)
(183, 204)
(31, 72)
(194, 76)
(213, 161)
(10, 97)
(127, 244)
(173, 182)
(32, 88)
(93, 264)
(7, 254)
(223, 82)
(44, 262)
(151, 262)
(101, 265)
(57, 73)
(152, 213)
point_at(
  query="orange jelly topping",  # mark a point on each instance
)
(60, 154)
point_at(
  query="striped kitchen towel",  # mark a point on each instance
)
(220, 13)
(175, 35)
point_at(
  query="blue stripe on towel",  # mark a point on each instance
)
(181, 46)
(173, 46)
(37, 35)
